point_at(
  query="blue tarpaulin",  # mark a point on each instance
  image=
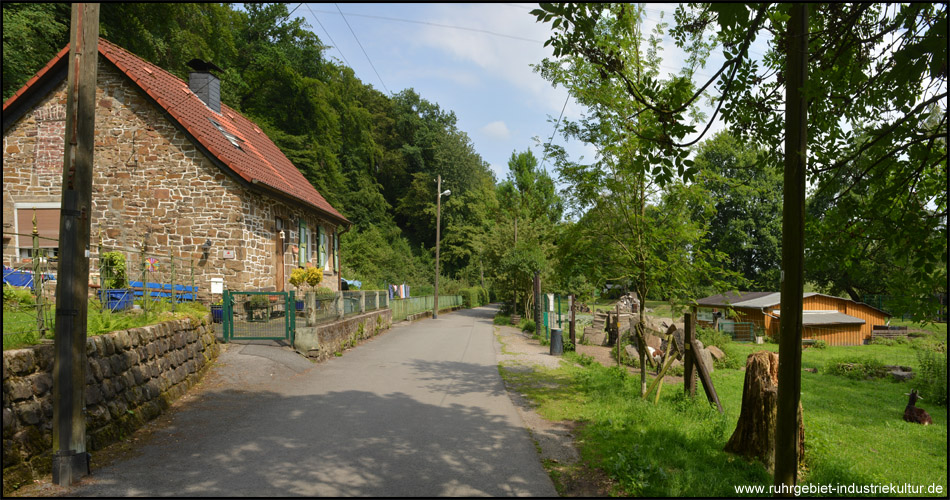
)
(14, 277)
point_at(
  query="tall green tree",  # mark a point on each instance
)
(628, 193)
(32, 34)
(746, 192)
(522, 244)
(879, 66)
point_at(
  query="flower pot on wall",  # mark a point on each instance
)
(116, 299)
(217, 313)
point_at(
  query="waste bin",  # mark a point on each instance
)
(557, 342)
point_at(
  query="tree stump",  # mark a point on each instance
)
(754, 436)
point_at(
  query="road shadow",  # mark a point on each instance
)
(458, 378)
(348, 443)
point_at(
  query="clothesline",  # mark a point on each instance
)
(398, 291)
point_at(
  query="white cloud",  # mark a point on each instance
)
(504, 58)
(497, 130)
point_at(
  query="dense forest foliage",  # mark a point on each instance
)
(374, 157)
(638, 213)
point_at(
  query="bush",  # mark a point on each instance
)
(14, 297)
(933, 375)
(890, 341)
(471, 297)
(709, 337)
(502, 319)
(485, 298)
(258, 301)
(113, 270)
(297, 277)
(855, 367)
(820, 344)
(527, 325)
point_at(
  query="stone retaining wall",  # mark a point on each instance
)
(131, 377)
(323, 341)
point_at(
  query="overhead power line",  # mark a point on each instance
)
(361, 48)
(428, 23)
(328, 36)
(545, 157)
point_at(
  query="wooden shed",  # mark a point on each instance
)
(836, 320)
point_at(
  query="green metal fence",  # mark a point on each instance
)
(119, 280)
(740, 331)
(403, 308)
(259, 316)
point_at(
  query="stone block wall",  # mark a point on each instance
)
(323, 341)
(153, 184)
(131, 377)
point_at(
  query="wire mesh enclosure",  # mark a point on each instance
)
(259, 315)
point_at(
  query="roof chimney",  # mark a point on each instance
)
(204, 84)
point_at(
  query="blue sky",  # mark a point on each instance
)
(485, 78)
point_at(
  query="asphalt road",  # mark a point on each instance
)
(418, 411)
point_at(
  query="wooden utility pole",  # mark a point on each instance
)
(438, 224)
(70, 460)
(573, 333)
(793, 252)
(537, 303)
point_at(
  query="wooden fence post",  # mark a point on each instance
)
(689, 357)
(704, 376)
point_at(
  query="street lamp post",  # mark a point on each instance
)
(438, 224)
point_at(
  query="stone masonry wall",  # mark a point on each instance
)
(323, 341)
(151, 183)
(131, 377)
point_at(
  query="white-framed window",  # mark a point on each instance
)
(322, 250)
(47, 225)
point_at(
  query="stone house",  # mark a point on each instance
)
(174, 168)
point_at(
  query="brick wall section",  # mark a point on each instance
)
(131, 377)
(150, 178)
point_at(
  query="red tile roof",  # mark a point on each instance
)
(258, 161)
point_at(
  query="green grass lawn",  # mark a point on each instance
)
(19, 326)
(854, 431)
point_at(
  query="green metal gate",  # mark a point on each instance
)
(259, 316)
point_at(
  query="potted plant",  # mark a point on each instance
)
(298, 277)
(217, 311)
(309, 275)
(258, 308)
(114, 294)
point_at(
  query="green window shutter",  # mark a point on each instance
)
(302, 245)
(322, 250)
(336, 251)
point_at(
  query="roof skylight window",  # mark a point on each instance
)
(233, 139)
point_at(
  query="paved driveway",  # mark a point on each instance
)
(418, 411)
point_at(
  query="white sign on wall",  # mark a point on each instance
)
(229, 254)
(217, 285)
